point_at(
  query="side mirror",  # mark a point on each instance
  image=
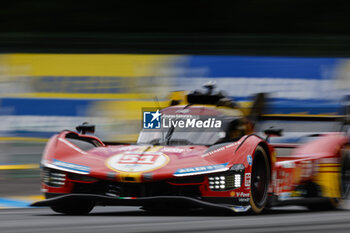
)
(258, 107)
(85, 128)
(273, 132)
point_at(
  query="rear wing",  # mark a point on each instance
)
(301, 117)
(299, 127)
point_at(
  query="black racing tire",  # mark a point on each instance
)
(74, 208)
(260, 178)
(345, 173)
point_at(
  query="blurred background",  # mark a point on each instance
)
(63, 63)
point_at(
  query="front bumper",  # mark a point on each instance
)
(102, 200)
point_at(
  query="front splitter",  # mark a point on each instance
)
(139, 201)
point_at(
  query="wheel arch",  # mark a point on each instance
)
(264, 145)
(253, 141)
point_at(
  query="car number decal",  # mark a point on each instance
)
(137, 161)
(247, 179)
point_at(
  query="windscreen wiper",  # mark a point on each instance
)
(169, 134)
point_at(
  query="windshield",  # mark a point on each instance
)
(180, 137)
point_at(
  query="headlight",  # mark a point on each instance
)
(227, 180)
(53, 178)
(217, 182)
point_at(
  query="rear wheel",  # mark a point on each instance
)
(345, 173)
(330, 204)
(334, 203)
(74, 208)
(259, 180)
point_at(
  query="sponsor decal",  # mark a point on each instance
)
(124, 148)
(242, 194)
(71, 166)
(287, 164)
(249, 160)
(133, 161)
(174, 150)
(233, 144)
(183, 111)
(247, 179)
(221, 149)
(201, 169)
(246, 199)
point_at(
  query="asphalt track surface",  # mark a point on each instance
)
(131, 219)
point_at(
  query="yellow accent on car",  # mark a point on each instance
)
(130, 177)
(328, 178)
(155, 148)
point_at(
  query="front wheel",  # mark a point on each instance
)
(259, 180)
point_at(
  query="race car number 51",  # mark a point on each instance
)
(135, 158)
(137, 161)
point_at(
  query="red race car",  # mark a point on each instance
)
(213, 161)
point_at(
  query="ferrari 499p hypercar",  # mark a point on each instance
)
(217, 163)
